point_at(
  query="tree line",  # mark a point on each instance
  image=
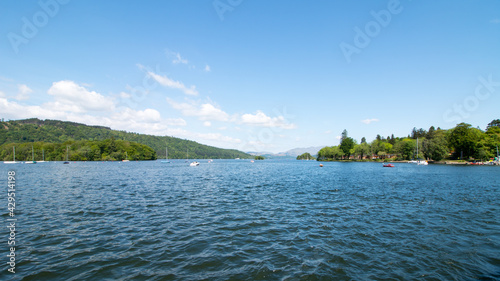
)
(55, 131)
(84, 150)
(461, 142)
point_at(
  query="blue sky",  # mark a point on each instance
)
(252, 75)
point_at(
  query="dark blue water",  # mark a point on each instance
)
(268, 220)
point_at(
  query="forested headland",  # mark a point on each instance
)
(62, 133)
(305, 156)
(105, 150)
(463, 142)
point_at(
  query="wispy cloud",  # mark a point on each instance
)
(170, 83)
(6, 79)
(175, 57)
(260, 119)
(207, 68)
(178, 59)
(204, 112)
(495, 21)
(23, 92)
(368, 121)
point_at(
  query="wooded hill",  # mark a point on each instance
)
(66, 133)
(83, 150)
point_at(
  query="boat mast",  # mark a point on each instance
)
(32, 154)
(14, 149)
(417, 149)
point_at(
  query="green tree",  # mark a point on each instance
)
(405, 148)
(346, 145)
(435, 148)
(305, 156)
(464, 140)
(362, 149)
(494, 123)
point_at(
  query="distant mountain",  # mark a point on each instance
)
(55, 131)
(313, 150)
(292, 153)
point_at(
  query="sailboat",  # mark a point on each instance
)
(192, 164)
(166, 156)
(32, 157)
(420, 162)
(43, 157)
(12, 162)
(67, 151)
(126, 158)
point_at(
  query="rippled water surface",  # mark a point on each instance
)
(268, 220)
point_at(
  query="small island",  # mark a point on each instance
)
(259, 157)
(305, 156)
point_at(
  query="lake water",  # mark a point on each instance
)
(268, 220)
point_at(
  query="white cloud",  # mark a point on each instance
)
(176, 122)
(167, 82)
(69, 96)
(262, 120)
(204, 111)
(368, 121)
(139, 116)
(207, 124)
(218, 138)
(124, 95)
(214, 139)
(14, 110)
(2, 95)
(178, 59)
(207, 68)
(23, 92)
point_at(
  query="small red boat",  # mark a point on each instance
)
(389, 165)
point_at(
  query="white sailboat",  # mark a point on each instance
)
(12, 162)
(43, 157)
(192, 164)
(67, 152)
(420, 162)
(166, 156)
(32, 157)
(126, 158)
